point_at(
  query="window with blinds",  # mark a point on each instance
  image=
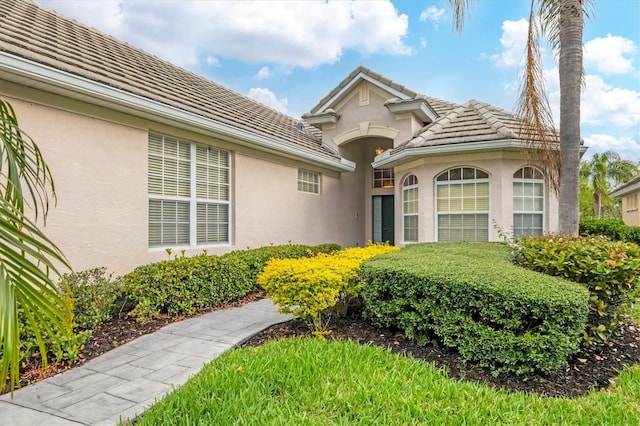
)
(462, 205)
(189, 193)
(410, 208)
(528, 202)
(308, 181)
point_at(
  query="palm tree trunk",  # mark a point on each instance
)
(597, 205)
(570, 71)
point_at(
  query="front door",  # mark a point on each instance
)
(383, 220)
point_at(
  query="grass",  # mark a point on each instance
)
(313, 382)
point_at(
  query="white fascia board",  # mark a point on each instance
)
(150, 108)
(355, 81)
(624, 191)
(386, 160)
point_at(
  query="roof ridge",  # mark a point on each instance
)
(484, 110)
(437, 126)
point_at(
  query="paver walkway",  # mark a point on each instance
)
(125, 381)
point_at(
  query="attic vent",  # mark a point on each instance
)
(300, 126)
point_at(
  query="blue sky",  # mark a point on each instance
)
(290, 54)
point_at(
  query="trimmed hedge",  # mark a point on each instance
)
(615, 229)
(472, 298)
(184, 285)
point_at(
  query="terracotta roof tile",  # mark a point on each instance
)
(35, 33)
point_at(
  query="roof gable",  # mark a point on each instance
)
(344, 88)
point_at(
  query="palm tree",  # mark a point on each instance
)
(604, 171)
(562, 21)
(28, 259)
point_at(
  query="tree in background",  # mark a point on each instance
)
(562, 21)
(601, 174)
(28, 259)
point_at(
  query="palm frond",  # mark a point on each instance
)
(534, 112)
(461, 9)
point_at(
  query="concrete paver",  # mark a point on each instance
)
(126, 380)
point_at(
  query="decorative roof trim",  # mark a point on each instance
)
(418, 107)
(321, 118)
(354, 81)
(146, 108)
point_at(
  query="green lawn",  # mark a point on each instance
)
(313, 382)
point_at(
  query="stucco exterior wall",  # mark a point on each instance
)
(499, 166)
(270, 209)
(99, 163)
(631, 209)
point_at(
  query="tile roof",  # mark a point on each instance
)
(30, 31)
(473, 121)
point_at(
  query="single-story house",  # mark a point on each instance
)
(629, 193)
(147, 156)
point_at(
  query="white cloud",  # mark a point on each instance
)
(263, 73)
(432, 14)
(300, 34)
(212, 61)
(606, 54)
(627, 147)
(268, 98)
(423, 42)
(602, 105)
(513, 43)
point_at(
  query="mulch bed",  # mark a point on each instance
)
(595, 369)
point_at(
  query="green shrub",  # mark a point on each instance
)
(94, 296)
(184, 285)
(310, 287)
(610, 270)
(471, 298)
(58, 344)
(252, 261)
(612, 228)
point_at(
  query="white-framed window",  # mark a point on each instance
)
(189, 193)
(308, 181)
(410, 208)
(383, 178)
(462, 204)
(632, 202)
(528, 202)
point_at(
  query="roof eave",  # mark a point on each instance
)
(123, 101)
(626, 190)
(388, 160)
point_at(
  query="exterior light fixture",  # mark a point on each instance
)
(379, 151)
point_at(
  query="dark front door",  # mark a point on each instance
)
(383, 220)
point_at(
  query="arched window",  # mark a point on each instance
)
(528, 202)
(462, 204)
(410, 208)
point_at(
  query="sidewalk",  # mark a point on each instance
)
(125, 381)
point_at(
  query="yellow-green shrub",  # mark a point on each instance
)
(310, 287)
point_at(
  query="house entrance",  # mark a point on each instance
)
(383, 220)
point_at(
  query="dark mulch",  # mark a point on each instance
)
(587, 370)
